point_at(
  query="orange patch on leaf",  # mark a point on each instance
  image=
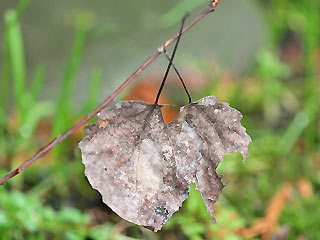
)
(146, 90)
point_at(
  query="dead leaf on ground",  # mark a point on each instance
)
(305, 188)
(143, 167)
(268, 225)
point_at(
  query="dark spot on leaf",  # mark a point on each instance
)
(162, 211)
(137, 137)
(110, 152)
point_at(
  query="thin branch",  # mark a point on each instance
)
(106, 102)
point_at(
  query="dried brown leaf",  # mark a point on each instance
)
(267, 226)
(143, 167)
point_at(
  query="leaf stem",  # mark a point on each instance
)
(171, 59)
(179, 75)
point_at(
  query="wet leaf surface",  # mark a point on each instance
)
(143, 167)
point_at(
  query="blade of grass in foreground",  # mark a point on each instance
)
(311, 93)
(22, 5)
(5, 74)
(17, 60)
(94, 88)
(5, 69)
(293, 132)
(3, 118)
(63, 106)
(37, 81)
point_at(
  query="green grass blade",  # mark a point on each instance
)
(17, 60)
(63, 106)
(33, 116)
(37, 81)
(3, 118)
(5, 69)
(94, 88)
(5, 74)
(311, 91)
(22, 5)
(293, 132)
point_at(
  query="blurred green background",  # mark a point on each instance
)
(59, 59)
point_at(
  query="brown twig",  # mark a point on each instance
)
(106, 102)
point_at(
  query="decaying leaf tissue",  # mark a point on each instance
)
(143, 167)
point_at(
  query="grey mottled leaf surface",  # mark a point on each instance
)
(143, 167)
